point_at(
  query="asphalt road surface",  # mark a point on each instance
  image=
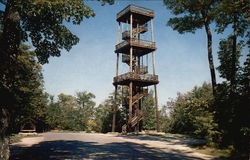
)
(88, 146)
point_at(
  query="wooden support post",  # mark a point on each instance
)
(119, 33)
(130, 104)
(117, 64)
(114, 111)
(155, 87)
(131, 49)
(117, 72)
(156, 109)
(131, 70)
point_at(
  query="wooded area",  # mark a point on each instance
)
(218, 112)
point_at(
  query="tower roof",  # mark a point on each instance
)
(141, 15)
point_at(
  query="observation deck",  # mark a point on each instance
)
(140, 47)
(141, 15)
(141, 80)
(138, 30)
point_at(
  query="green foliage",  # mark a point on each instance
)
(233, 11)
(29, 98)
(232, 111)
(193, 14)
(104, 113)
(225, 55)
(222, 119)
(42, 22)
(232, 100)
(71, 112)
(190, 113)
(149, 119)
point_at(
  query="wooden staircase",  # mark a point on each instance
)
(135, 120)
(137, 97)
(139, 114)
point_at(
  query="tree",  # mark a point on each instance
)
(115, 101)
(191, 113)
(149, 119)
(73, 113)
(232, 99)
(28, 89)
(236, 14)
(104, 113)
(226, 56)
(53, 115)
(84, 99)
(195, 15)
(86, 106)
(41, 22)
(29, 99)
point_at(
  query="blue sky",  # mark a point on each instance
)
(181, 60)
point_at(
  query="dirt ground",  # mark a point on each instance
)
(88, 146)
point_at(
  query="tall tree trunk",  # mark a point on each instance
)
(9, 44)
(4, 142)
(234, 55)
(210, 55)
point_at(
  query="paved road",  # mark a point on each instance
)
(78, 146)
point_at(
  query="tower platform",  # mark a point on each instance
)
(140, 80)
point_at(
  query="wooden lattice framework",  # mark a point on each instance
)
(135, 51)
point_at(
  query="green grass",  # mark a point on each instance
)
(223, 153)
(14, 138)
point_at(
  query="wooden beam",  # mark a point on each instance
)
(117, 72)
(131, 48)
(155, 87)
(117, 65)
(114, 111)
(130, 103)
(119, 33)
(131, 70)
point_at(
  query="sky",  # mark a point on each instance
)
(181, 59)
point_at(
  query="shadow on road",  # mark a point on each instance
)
(172, 140)
(58, 150)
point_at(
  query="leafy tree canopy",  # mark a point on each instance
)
(42, 22)
(193, 12)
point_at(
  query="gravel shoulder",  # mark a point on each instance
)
(105, 146)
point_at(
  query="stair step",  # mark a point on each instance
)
(138, 96)
(124, 128)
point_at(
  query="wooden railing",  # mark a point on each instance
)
(143, 70)
(136, 42)
(135, 9)
(125, 58)
(134, 76)
(140, 29)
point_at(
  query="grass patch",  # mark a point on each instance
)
(223, 153)
(177, 135)
(14, 138)
(227, 153)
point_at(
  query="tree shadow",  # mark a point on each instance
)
(171, 140)
(58, 150)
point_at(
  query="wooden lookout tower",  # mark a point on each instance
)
(136, 46)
